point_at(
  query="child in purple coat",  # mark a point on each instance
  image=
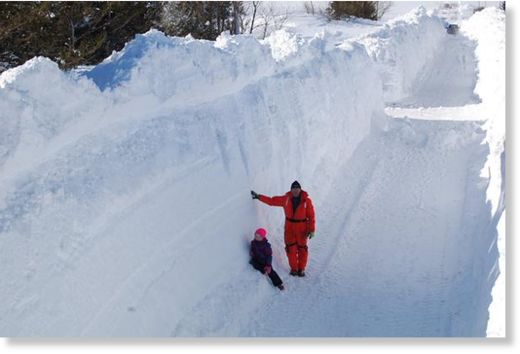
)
(262, 256)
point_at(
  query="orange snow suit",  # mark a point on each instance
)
(298, 224)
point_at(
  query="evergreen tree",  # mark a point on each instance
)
(201, 19)
(23, 29)
(70, 33)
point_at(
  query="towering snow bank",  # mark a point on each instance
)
(37, 103)
(487, 28)
(403, 48)
(109, 174)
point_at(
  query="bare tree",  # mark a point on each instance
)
(238, 11)
(382, 8)
(280, 20)
(249, 23)
(264, 19)
(255, 8)
(273, 20)
(309, 7)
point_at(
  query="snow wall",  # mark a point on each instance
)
(487, 29)
(193, 125)
(402, 50)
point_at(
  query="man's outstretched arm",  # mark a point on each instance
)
(272, 201)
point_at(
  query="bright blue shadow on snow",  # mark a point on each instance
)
(118, 68)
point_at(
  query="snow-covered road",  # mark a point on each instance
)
(388, 259)
(394, 255)
(400, 229)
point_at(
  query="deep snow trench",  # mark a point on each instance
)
(128, 213)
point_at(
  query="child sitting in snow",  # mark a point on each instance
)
(262, 255)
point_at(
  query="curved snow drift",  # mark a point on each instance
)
(124, 198)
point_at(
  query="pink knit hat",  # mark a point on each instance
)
(262, 232)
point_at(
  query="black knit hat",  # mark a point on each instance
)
(296, 184)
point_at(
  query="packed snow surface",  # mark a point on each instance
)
(124, 187)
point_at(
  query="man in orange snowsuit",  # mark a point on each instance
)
(299, 224)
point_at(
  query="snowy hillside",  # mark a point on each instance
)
(124, 187)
